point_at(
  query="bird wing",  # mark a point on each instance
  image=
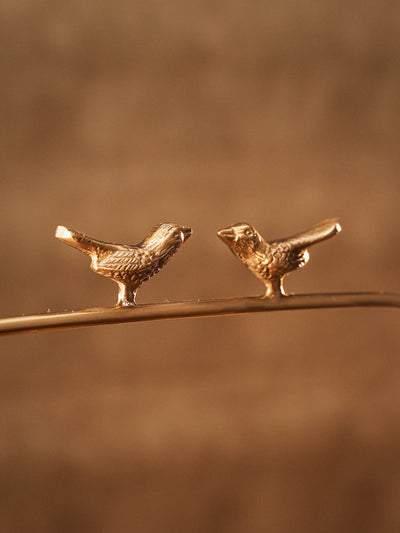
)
(320, 232)
(135, 262)
(125, 260)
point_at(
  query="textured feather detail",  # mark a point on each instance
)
(129, 266)
(271, 261)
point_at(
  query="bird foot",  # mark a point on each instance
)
(124, 303)
(274, 289)
(274, 295)
(126, 296)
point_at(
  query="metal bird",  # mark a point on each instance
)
(271, 261)
(129, 265)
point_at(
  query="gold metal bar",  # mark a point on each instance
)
(193, 309)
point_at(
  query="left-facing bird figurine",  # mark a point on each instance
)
(129, 265)
(271, 261)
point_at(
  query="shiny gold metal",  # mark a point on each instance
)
(194, 309)
(271, 261)
(129, 265)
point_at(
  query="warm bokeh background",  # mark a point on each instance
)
(119, 115)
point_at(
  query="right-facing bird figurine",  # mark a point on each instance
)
(129, 265)
(271, 261)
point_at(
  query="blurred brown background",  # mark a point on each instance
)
(120, 115)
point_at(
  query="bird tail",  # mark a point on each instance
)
(320, 232)
(82, 242)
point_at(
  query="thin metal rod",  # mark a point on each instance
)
(193, 309)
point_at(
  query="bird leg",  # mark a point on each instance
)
(274, 288)
(126, 295)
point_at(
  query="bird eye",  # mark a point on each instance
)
(248, 232)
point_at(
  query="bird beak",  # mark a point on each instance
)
(227, 235)
(186, 233)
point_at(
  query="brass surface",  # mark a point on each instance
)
(272, 261)
(193, 309)
(129, 265)
(119, 115)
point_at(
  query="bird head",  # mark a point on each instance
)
(242, 238)
(167, 237)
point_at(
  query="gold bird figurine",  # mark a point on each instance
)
(271, 261)
(129, 265)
